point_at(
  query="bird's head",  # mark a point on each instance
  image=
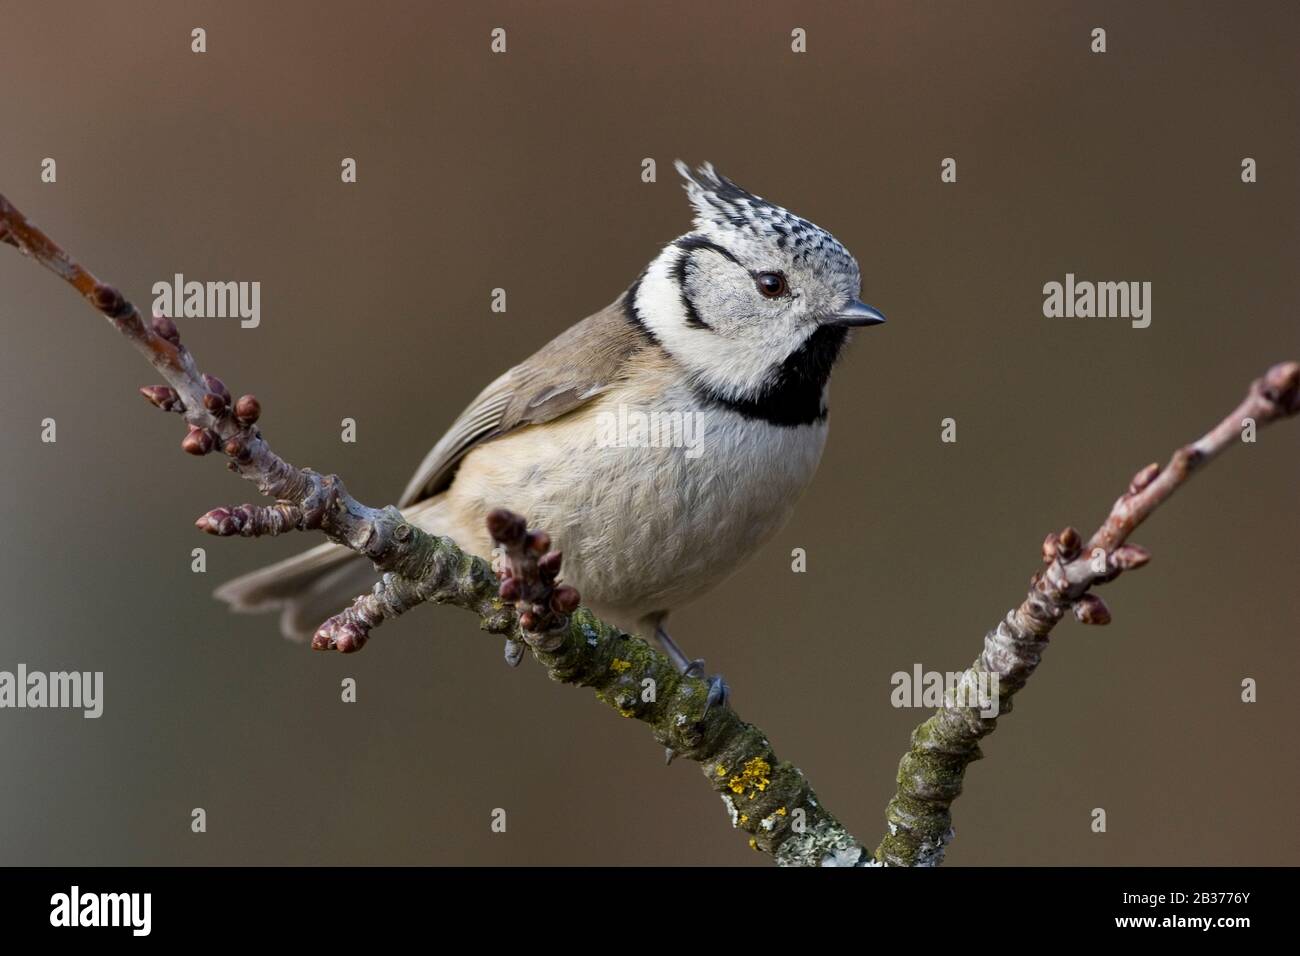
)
(755, 302)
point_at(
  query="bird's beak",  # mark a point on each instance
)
(856, 314)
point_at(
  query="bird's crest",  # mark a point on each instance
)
(722, 205)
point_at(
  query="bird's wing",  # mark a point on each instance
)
(567, 372)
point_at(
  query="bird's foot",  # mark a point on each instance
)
(719, 694)
(719, 690)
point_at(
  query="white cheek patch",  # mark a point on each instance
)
(733, 367)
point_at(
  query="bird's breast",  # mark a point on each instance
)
(653, 496)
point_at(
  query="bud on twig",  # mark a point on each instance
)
(565, 600)
(109, 301)
(1144, 478)
(237, 449)
(217, 387)
(506, 526)
(344, 636)
(527, 568)
(1091, 609)
(1068, 544)
(1282, 385)
(199, 441)
(218, 398)
(165, 328)
(349, 638)
(248, 410)
(548, 565)
(1127, 557)
(217, 521)
(163, 397)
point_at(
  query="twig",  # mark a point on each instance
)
(930, 773)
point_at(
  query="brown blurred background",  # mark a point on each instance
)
(522, 171)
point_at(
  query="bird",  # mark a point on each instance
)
(659, 442)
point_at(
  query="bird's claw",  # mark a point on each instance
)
(719, 691)
(514, 652)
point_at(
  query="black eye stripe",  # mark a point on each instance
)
(679, 269)
(691, 243)
(679, 274)
(775, 281)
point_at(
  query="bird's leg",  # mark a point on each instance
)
(719, 692)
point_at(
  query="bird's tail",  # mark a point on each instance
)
(306, 589)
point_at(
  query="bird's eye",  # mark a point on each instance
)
(771, 284)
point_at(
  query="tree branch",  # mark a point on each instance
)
(930, 773)
(761, 791)
(767, 798)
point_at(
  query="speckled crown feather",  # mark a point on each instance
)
(722, 205)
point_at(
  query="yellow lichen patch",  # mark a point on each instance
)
(753, 778)
(757, 771)
(753, 844)
(744, 818)
(619, 666)
(722, 771)
(625, 712)
(780, 812)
